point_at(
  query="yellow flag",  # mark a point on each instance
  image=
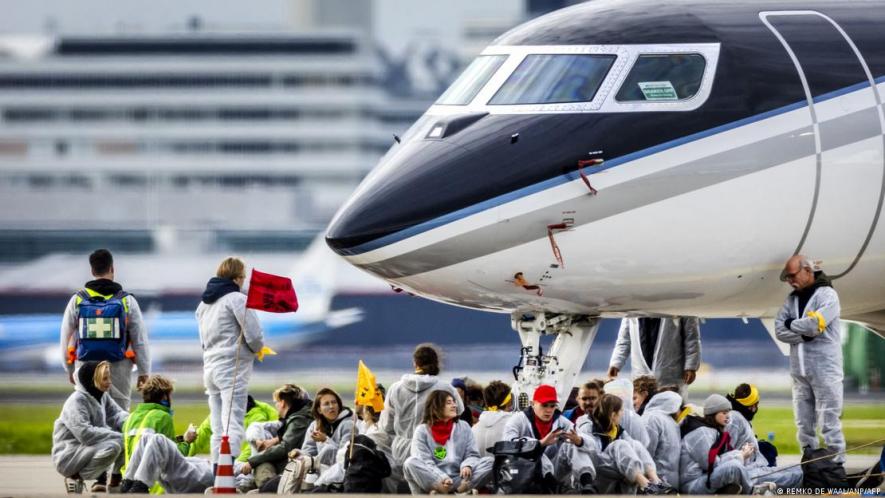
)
(367, 393)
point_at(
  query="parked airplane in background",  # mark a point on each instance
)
(623, 158)
(28, 341)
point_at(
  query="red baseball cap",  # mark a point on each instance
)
(545, 393)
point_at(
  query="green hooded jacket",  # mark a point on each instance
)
(153, 416)
(261, 412)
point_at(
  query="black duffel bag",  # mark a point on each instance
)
(823, 473)
(518, 468)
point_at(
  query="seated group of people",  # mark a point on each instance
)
(622, 437)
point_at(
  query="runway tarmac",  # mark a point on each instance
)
(35, 476)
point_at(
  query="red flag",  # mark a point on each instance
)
(271, 293)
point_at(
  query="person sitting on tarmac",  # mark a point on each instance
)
(330, 431)
(490, 426)
(153, 415)
(256, 411)
(708, 461)
(567, 457)
(587, 398)
(630, 420)
(623, 465)
(86, 437)
(745, 404)
(444, 457)
(644, 388)
(156, 458)
(664, 438)
(404, 406)
(294, 409)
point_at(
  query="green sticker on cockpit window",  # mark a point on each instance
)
(658, 90)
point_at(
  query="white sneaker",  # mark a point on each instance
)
(74, 486)
(766, 488)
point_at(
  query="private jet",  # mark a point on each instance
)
(639, 158)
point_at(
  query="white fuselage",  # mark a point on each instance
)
(736, 203)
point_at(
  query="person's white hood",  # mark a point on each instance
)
(489, 419)
(418, 383)
(623, 389)
(667, 402)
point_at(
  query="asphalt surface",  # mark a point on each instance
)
(22, 476)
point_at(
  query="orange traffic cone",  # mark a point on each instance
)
(224, 471)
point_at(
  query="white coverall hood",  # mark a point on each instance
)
(418, 383)
(667, 402)
(623, 389)
(631, 422)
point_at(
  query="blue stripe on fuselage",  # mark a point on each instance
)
(569, 177)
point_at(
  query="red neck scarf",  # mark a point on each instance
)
(442, 431)
(544, 427)
(721, 446)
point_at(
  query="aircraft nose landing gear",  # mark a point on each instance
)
(560, 366)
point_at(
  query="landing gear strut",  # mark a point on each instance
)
(561, 364)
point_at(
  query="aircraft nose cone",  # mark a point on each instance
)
(411, 186)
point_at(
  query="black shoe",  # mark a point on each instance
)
(126, 485)
(661, 488)
(587, 487)
(101, 484)
(138, 487)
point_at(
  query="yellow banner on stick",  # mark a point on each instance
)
(367, 393)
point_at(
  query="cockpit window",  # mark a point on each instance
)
(471, 80)
(554, 78)
(663, 77)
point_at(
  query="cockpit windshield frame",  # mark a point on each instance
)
(604, 98)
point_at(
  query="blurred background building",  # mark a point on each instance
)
(199, 126)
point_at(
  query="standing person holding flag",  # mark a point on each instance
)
(231, 336)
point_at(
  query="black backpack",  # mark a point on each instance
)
(823, 473)
(518, 468)
(366, 467)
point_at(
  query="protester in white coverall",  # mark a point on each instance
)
(86, 439)
(567, 456)
(631, 422)
(156, 458)
(330, 429)
(745, 405)
(102, 263)
(404, 405)
(329, 432)
(809, 323)
(443, 454)
(489, 429)
(706, 439)
(222, 317)
(664, 438)
(623, 465)
(667, 348)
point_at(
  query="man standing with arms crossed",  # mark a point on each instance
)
(102, 322)
(809, 323)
